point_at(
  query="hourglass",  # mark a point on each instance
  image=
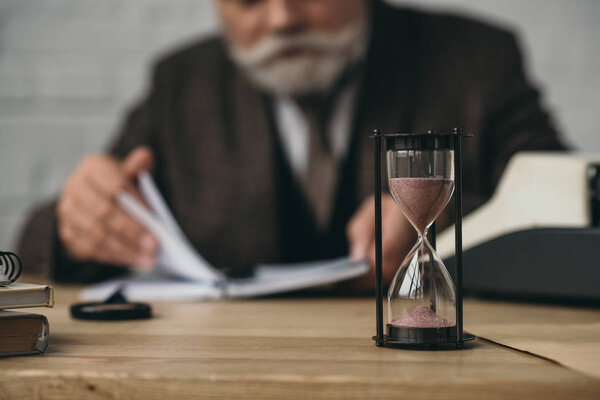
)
(424, 304)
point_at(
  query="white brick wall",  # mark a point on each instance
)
(68, 69)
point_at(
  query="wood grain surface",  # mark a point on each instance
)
(286, 348)
(567, 335)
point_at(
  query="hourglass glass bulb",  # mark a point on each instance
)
(421, 298)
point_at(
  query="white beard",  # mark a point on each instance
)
(314, 71)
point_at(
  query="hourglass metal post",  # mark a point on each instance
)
(458, 235)
(378, 246)
(423, 170)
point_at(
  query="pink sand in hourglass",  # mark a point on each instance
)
(421, 199)
(422, 317)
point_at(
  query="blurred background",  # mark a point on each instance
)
(69, 69)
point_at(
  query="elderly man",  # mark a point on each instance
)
(259, 139)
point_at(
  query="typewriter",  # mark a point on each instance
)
(538, 237)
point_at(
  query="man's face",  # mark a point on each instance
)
(293, 47)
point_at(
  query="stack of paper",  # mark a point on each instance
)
(182, 273)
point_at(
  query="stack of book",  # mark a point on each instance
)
(23, 333)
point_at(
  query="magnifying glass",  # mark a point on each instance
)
(115, 308)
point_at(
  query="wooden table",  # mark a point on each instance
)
(271, 349)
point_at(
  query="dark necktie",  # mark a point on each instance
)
(321, 178)
(320, 183)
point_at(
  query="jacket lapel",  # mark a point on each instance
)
(253, 161)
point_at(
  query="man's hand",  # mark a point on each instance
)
(398, 236)
(91, 225)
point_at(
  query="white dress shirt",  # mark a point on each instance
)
(293, 129)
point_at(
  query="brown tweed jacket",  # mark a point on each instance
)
(209, 129)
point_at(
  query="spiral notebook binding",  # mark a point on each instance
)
(10, 267)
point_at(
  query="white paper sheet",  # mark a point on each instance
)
(179, 257)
